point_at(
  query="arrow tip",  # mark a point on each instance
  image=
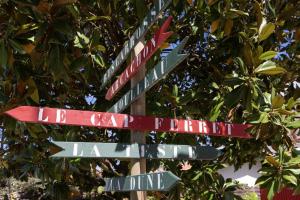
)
(20, 113)
(166, 24)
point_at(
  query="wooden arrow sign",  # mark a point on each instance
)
(148, 151)
(124, 121)
(151, 17)
(156, 74)
(149, 49)
(160, 181)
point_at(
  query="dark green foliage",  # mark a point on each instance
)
(243, 67)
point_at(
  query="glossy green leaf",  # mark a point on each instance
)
(265, 31)
(295, 124)
(263, 180)
(267, 55)
(99, 60)
(269, 68)
(291, 179)
(278, 101)
(175, 90)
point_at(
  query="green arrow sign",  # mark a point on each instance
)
(149, 151)
(161, 181)
(157, 73)
(150, 18)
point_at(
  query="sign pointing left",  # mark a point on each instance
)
(160, 181)
(123, 121)
(148, 151)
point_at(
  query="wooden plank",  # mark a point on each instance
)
(123, 121)
(141, 58)
(159, 181)
(159, 72)
(138, 166)
(150, 18)
(126, 151)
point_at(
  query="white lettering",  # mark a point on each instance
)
(127, 119)
(190, 152)
(153, 42)
(75, 150)
(188, 127)
(150, 180)
(216, 128)
(174, 124)
(40, 116)
(158, 122)
(132, 183)
(61, 116)
(229, 128)
(96, 150)
(203, 127)
(161, 149)
(128, 151)
(113, 120)
(155, 77)
(142, 152)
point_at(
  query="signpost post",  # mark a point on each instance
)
(159, 181)
(138, 166)
(128, 151)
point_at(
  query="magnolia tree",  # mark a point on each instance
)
(242, 67)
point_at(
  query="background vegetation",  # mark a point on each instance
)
(243, 67)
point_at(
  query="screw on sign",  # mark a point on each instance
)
(126, 151)
(124, 121)
(149, 49)
(157, 73)
(160, 181)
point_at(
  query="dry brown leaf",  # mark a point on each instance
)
(63, 2)
(44, 6)
(211, 2)
(228, 27)
(214, 25)
(164, 45)
(297, 35)
(190, 2)
(28, 48)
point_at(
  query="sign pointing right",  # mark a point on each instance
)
(160, 181)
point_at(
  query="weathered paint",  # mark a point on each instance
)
(123, 121)
(156, 74)
(148, 151)
(149, 49)
(159, 181)
(151, 17)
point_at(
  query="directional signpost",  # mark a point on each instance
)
(126, 151)
(150, 18)
(149, 49)
(137, 151)
(123, 121)
(157, 73)
(159, 181)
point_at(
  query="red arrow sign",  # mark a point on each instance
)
(149, 49)
(124, 121)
